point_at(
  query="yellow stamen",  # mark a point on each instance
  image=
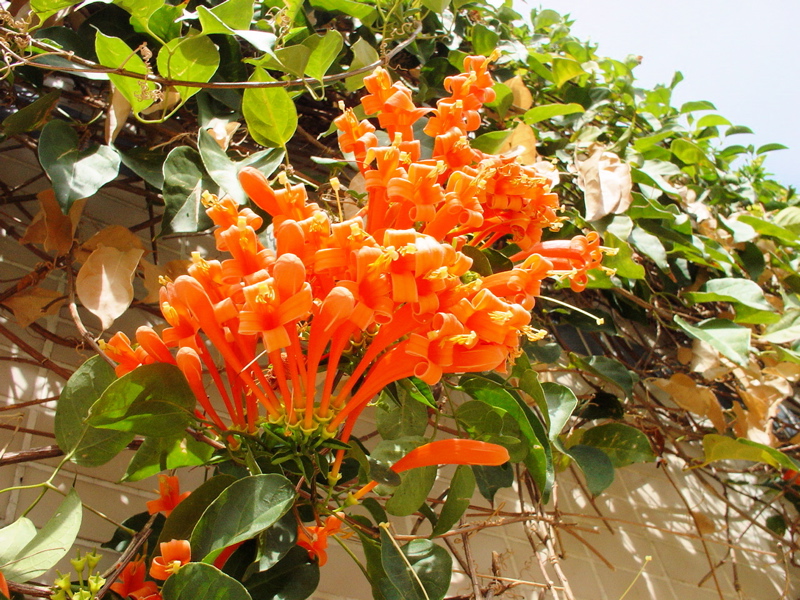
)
(501, 317)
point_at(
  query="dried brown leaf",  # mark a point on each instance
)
(105, 282)
(522, 141)
(34, 303)
(119, 109)
(222, 131)
(695, 398)
(605, 181)
(523, 99)
(51, 227)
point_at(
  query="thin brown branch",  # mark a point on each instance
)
(40, 358)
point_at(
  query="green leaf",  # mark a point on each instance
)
(294, 577)
(90, 447)
(651, 246)
(152, 400)
(436, 6)
(789, 218)
(359, 10)
(399, 419)
(184, 517)
(165, 22)
(414, 484)
(324, 50)
(786, 330)
(730, 339)
(721, 447)
(420, 570)
(770, 229)
(50, 544)
(596, 466)
(33, 116)
(731, 289)
(503, 100)
(198, 580)
(565, 69)
(242, 511)
(688, 152)
(544, 112)
(492, 479)
(462, 486)
(226, 17)
(711, 121)
(113, 52)
(609, 370)
(74, 173)
(193, 58)
(694, 105)
(270, 112)
(140, 11)
(161, 453)
(622, 262)
(561, 403)
(623, 444)
(147, 164)
(13, 538)
(225, 172)
(484, 40)
(490, 143)
(45, 9)
(363, 54)
(493, 424)
(770, 148)
(277, 540)
(185, 180)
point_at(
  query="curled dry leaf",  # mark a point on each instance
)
(119, 109)
(105, 282)
(51, 227)
(115, 236)
(695, 398)
(153, 273)
(222, 131)
(708, 362)
(522, 142)
(523, 99)
(606, 182)
(34, 303)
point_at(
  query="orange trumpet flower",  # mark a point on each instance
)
(315, 538)
(174, 554)
(132, 583)
(169, 489)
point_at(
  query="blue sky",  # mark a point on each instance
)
(740, 55)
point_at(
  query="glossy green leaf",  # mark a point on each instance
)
(165, 22)
(561, 403)
(484, 40)
(623, 444)
(199, 580)
(324, 51)
(730, 339)
(420, 570)
(694, 105)
(33, 116)
(226, 16)
(270, 112)
(359, 10)
(414, 483)
(610, 370)
(721, 447)
(688, 152)
(242, 511)
(185, 180)
(544, 112)
(504, 97)
(731, 289)
(162, 453)
(50, 544)
(462, 486)
(789, 218)
(74, 173)
(711, 121)
(770, 148)
(225, 172)
(44, 9)
(140, 11)
(493, 424)
(184, 517)
(490, 143)
(277, 540)
(596, 466)
(152, 400)
(401, 418)
(565, 69)
(147, 164)
(14, 537)
(492, 479)
(90, 447)
(786, 330)
(651, 246)
(771, 229)
(363, 55)
(294, 577)
(436, 6)
(193, 58)
(622, 262)
(115, 53)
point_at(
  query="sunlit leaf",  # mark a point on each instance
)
(105, 282)
(270, 112)
(623, 444)
(732, 340)
(720, 447)
(544, 112)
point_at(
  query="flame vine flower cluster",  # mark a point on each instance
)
(311, 331)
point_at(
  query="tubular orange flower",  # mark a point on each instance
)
(169, 489)
(315, 538)
(132, 583)
(4, 586)
(446, 452)
(174, 554)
